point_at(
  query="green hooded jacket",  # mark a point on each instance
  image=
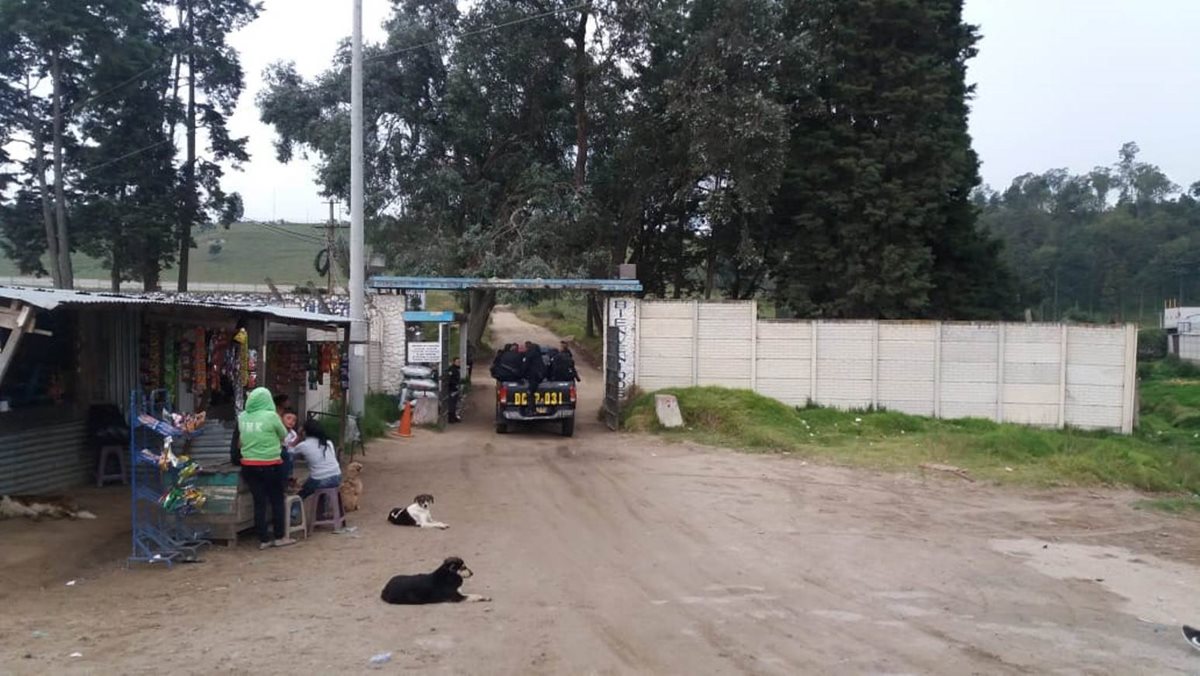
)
(260, 429)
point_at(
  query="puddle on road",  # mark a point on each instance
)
(1154, 589)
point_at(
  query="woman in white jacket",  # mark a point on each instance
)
(318, 452)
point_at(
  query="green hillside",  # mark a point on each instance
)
(251, 253)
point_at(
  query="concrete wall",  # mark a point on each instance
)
(385, 355)
(1037, 374)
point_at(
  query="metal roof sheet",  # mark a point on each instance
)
(460, 283)
(49, 299)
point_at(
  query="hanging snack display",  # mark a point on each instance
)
(288, 366)
(186, 362)
(152, 357)
(200, 362)
(314, 365)
(243, 364)
(335, 369)
(170, 365)
(180, 496)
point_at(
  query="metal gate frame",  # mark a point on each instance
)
(612, 378)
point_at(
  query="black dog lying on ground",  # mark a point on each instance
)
(440, 586)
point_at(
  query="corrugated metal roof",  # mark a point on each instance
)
(461, 283)
(49, 299)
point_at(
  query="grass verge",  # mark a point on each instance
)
(893, 441)
(565, 316)
(378, 411)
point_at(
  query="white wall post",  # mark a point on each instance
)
(875, 364)
(1129, 400)
(695, 343)
(1000, 372)
(812, 371)
(753, 346)
(937, 371)
(1062, 376)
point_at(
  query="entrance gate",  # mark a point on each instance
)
(606, 287)
(612, 379)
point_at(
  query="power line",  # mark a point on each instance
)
(288, 233)
(481, 31)
(114, 88)
(127, 155)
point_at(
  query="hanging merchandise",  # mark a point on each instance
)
(314, 364)
(252, 369)
(345, 369)
(200, 362)
(170, 366)
(335, 369)
(323, 365)
(243, 340)
(186, 362)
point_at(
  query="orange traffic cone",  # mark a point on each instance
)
(406, 421)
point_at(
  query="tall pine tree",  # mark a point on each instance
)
(875, 203)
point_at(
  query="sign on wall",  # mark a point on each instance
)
(622, 318)
(425, 353)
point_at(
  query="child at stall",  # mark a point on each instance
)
(292, 438)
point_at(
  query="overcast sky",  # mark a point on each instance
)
(1060, 83)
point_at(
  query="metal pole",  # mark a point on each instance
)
(358, 347)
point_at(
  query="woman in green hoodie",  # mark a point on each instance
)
(261, 433)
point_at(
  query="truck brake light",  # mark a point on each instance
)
(574, 394)
(502, 394)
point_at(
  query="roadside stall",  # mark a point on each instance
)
(150, 361)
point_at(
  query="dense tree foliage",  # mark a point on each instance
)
(814, 151)
(1106, 245)
(90, 101)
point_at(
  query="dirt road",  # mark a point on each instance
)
(618, 554)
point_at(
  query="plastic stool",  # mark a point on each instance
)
(332, 500)
(102, 475)
(290, 505)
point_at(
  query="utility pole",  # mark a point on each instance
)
(358, 325)
(330, 239)
(189, 169)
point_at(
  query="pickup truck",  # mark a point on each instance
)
(550, 401)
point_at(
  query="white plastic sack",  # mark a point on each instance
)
(416, 371)
(421, 384)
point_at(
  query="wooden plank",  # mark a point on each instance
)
(24, 321)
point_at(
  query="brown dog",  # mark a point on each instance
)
(352, 487)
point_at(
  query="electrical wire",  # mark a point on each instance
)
(481, 31)
(135, 78)
(310, 239)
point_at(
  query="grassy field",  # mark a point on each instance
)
(250, 254)
(1163, 456)
(565, 315)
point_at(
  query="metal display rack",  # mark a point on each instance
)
(159, 535)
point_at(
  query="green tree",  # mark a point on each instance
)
(199, 42)
(875, 207)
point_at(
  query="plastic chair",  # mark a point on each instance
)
(290, 505)
(102, 474)
(331, 499)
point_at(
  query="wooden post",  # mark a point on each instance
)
(19, 319)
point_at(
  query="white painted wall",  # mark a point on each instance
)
(386, 336)
(1037, 374)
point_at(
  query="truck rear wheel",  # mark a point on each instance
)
(501, 428)
(568, 427)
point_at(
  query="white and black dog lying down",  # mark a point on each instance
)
(416, 514)
(440, 586)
